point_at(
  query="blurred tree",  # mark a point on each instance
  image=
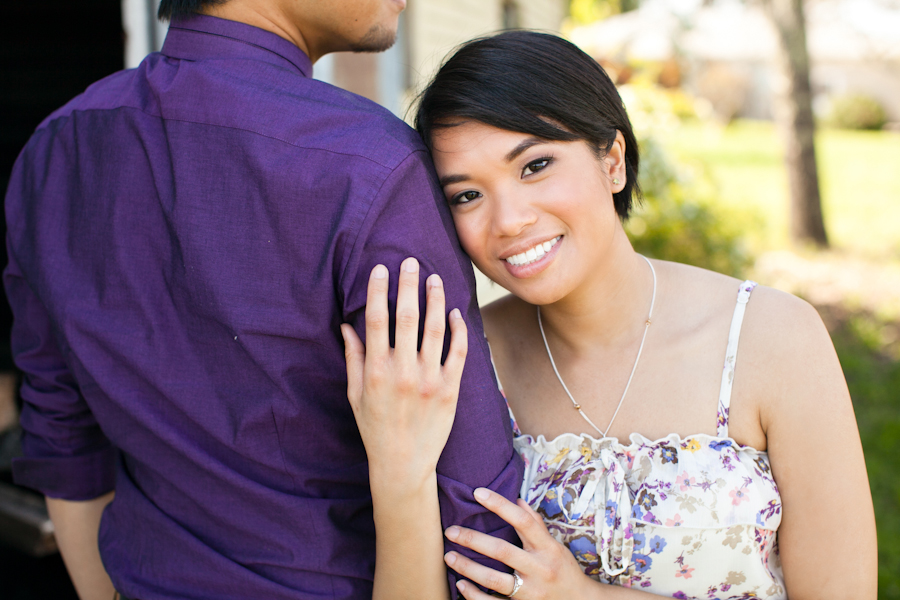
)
(793, 110)
(794, 117)
(588, 11)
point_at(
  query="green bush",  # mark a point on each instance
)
(873, 376)
(857, 112)
(680, 221)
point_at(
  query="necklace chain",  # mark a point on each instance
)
(577, 406)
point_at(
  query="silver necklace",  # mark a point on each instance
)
(577, 406)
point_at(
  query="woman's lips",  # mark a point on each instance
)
(529, 266)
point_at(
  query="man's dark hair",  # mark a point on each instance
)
(174, 9)
(533, 83)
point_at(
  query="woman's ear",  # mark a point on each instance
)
(615, 164)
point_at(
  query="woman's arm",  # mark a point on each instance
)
(404, 402)
(827, 536)
(76, 526)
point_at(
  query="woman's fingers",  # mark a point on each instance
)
(355, 353)
(407, 334)
(470, 591)
(459, 347)
(489, 546)
(532, 532)
(377, 316)
(489, 578)
(433, 335)
(408, 368)
(534, 514)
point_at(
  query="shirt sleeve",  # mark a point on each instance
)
(410, 217)
(65, 454)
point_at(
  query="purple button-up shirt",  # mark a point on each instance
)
(185, 239)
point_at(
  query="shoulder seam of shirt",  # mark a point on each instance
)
(390, 168)
(371, 205)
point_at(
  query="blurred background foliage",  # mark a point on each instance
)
(857, 111)
(680, 217)
(588, 11)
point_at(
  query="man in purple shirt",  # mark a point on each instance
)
(185, 239)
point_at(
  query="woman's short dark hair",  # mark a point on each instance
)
(173, 9)
(533, 83)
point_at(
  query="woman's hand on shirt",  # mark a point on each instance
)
(404, 400)
(546, 567)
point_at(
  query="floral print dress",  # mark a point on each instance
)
(692, 517)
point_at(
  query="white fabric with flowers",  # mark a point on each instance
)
(685, 518)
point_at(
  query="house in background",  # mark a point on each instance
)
(727, 50)
(429, 30)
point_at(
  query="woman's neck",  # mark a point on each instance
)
(609, 309)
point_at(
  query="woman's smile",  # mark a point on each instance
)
(533, 260)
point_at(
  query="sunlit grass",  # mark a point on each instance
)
(859, 175)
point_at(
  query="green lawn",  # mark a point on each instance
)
(860, 180)
(859, 174)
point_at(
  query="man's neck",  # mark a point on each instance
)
(264, 15)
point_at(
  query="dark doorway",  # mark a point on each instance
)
(50, 51)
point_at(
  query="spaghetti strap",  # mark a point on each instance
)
(512, 418)
(734, 335)
(494, 366)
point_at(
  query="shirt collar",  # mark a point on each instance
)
(201, 36)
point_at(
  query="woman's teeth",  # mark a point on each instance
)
(532, 254)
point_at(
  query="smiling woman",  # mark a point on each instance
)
(719, 487)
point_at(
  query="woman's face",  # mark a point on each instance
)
(535, 216)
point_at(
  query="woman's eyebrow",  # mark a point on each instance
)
(445, 181)
(511, 156)
(523, 146)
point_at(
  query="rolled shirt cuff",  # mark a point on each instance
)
(459, 507)
(80, 477)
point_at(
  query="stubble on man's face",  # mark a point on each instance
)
(378, 39)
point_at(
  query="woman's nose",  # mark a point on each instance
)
(512, 215)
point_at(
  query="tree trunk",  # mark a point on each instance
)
(793, 114)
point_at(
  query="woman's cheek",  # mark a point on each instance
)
(476, 247)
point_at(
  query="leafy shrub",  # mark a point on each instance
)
(680, 221)
(857, 112)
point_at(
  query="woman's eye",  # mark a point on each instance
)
(464, 197)
(535, 166)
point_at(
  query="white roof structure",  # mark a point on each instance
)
(837, 30)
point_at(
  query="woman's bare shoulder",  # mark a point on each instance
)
(788, 359)
(771, 313)
(783, 324)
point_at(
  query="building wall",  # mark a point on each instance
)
(436, 27)
(143, 32)
(543, 14)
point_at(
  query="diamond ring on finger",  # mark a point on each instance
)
(517, 584)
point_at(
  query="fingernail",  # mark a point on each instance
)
(452, 532)
(410, 265)
(461, 585)
(450, 558)
(482, 494)
(455, 314)
(434, 280)
(380, 272)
